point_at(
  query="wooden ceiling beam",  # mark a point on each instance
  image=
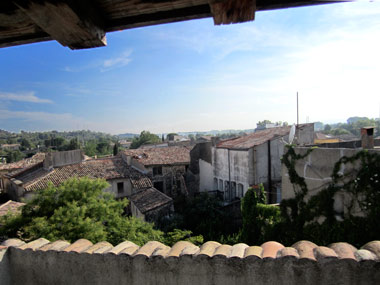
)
(73, 23)
(232, 11)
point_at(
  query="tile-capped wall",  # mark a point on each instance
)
(82, 262)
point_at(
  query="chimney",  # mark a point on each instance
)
(367, 137)
(48, 161)
(215, 141)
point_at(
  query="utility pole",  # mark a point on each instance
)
(297, 110)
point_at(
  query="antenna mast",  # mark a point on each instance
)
(297, 110)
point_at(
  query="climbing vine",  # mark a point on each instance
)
(315, 218)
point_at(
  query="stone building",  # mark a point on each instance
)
(231, 166)
(15, 167)
(317, 168)
(150, 204)
(165, 166)
(60, 166)
(124, 180)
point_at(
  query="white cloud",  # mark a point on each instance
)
(35, 116)
(119, 61)
(23, 97)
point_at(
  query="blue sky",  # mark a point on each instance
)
(193, 75)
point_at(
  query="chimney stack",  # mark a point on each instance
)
(367, 137)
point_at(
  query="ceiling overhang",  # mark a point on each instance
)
(84, 24)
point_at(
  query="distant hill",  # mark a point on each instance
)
(128, 136)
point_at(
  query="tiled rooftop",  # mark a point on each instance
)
(271, 249)
(253, 139)
(10, 206)
(161, 156)
(149, 199)
(106, 168)
(24, 163)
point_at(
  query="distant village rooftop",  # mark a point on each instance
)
(160, 156)
(10, 207)
(254, 139)
(38, 177)
(149, 199)
(22, 164)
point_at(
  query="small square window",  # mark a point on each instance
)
(157, 170)
(120, 187)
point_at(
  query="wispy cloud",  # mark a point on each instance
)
(119, 61)
(23, 97)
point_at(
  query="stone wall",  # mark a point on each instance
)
(61, 158)
(41, 262)
(317, 169)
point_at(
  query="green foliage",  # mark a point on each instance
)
(90, 148)
(116, 148)
(145, 138)
(259, 219)
(26, 144)
(103, 147)
(14, 155)
(176, 235)
(78, 209)
(353, 126)
(73, 144)
(203, 215)
(360, 186)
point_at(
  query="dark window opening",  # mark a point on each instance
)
(159, 186)
(157, 170)
(120, 187)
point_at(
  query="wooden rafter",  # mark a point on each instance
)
(232, 11)
(74, 24)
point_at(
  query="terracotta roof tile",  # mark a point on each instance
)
(106, 168)
(160, 156)
(10, 206)
(18, 166)
(254, 139)
(210, 249)
(271, 248)
(149, 199)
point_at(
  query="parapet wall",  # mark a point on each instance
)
(41, 262)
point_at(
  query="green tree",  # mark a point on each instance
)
(327, 128)
(78, 209)
(14, 155)
(259, 219)
(26, 144)
(73, 144)
(103, 147)
(145, 138)
(90, 148)
(264, 122)
(116, 148)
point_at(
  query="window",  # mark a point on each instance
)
(227, 192)
(157, 170)
(120, 187)
(220, 185)
(159, 186)
(240, 192)
(215, 183)
(233, 190)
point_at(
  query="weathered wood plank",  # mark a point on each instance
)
(231, 11)
(74, 24)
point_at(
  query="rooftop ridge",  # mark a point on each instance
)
(211, 249)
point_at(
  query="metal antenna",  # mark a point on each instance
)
(297, 110)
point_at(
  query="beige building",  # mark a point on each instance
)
(165, 166)
(231, 166)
